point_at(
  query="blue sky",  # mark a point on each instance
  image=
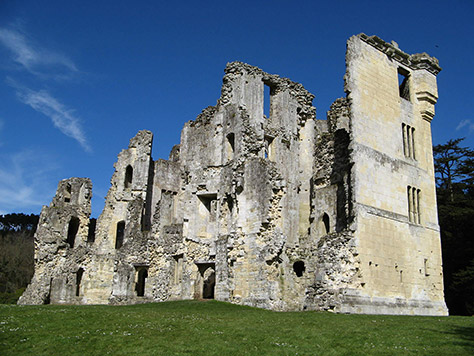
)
(78, 79)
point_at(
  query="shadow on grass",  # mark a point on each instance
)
(466, 336)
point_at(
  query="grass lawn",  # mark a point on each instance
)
(216, 328)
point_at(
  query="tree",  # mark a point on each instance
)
(454, 168)
(16, 254)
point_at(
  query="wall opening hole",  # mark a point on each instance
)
(79, 274)
(326, 224)
(142, 275)
(268, 148)
(119, 234)
(230, 202)
(67, 194)
(209, 201)
(178, 268)
(72, 230)
(128, 177)
(266, 101)
(403, 83)
(299, 268)
(91, 232)
(209, 284)
(230, 146)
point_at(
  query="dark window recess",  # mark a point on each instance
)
(231, 139)
(91, 232)
(79, 274)
(403, 83)
(299, 268)
(67, 194)
(230, 202)
(128, 176)
(119, 234)
(72, 230)
(142, 275)
(326, 223)
(210, 202)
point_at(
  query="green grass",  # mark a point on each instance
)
(215, 328)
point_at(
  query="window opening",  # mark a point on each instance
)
(268, 149)
(79, 274)
(91, 232)
(230, 202)
(413, 196)
(72, 230)
(426, 267)
(142, 275)
(326, 223)
(403, 83)
(119, 234)
(266, 101)
(408, 134)
(128, 176)
(299, 268)
(178, 268)
(67, 194)
(230, 146)
(210, 202)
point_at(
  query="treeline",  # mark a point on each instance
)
(454, 166)
(16, 254)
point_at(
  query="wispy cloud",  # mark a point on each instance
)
(33, 57)
(24, 182)
(62, 117)
(467, 124)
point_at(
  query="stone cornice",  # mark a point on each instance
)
(415, 61)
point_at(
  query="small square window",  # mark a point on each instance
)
(403, 83)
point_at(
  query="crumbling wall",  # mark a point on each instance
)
(61, 244)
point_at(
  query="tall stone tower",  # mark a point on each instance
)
(392, 96)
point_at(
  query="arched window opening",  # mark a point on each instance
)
(67, 193)
(299, 268)
(79, 274)
(142, 275)
(128, 176)
(326, 223)
(72, 230)
(119, 234)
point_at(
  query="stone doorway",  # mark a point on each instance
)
(141, 277)
(205, 281)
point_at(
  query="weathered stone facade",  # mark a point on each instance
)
(284, 212)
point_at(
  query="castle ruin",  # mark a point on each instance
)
(284, 212)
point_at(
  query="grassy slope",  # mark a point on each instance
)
(215, 328)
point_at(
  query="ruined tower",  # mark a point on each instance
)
(277, 210)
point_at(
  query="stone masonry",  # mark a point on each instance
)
(284, 212)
